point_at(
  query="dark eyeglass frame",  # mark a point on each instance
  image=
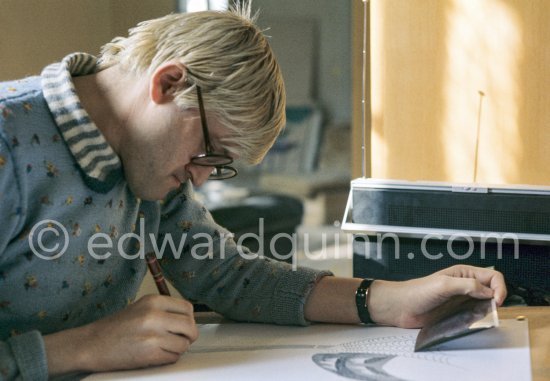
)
(220, 162)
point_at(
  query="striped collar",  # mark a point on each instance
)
(99, 164)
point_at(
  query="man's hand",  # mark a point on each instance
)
(409, 304)
(153, 331)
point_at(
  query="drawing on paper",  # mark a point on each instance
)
(357, 366)
(366, 359)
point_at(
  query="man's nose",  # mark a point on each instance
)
(200, 174)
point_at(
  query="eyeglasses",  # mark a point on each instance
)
(220, 162)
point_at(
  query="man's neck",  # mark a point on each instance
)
(108, 97)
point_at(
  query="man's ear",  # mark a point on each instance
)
(166, 80)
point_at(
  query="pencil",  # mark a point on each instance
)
(156, 271)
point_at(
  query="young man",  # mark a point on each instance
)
(87, 151)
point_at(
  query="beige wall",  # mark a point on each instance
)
(38, 32)
(450, 75)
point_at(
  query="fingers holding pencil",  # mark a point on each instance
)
(162, 286)
(154, 330)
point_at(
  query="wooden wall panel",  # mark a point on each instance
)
(452, 75)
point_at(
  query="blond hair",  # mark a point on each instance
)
(225, 54)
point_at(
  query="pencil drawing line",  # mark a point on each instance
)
(244, 348)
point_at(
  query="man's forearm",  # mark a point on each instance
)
(333, 301)
(407, 304)
(66, 351)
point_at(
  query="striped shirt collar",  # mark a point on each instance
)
(99, 164)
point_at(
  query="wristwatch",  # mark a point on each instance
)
(361, 299)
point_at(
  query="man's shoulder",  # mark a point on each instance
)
(21, 102)
(19, 91)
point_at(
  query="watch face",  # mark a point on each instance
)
(461, 316)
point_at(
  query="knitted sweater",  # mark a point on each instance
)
(73, 236)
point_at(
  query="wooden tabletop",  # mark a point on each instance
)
(539, 336)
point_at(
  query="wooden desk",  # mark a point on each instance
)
(539, 336)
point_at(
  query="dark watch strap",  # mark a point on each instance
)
(361, 299)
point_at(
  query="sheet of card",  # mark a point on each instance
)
(336, 352)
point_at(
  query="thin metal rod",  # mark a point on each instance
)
(476, 152)
(364, 91)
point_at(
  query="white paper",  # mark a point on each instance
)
(336, 352)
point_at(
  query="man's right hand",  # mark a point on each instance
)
(154, 330)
